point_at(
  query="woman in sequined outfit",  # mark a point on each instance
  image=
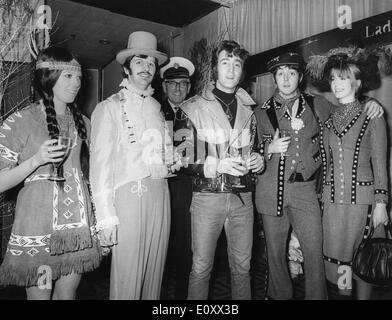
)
(52, 235)
(356, 185)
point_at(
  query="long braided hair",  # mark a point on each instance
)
(45, 80)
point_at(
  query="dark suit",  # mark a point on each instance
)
(179, 256)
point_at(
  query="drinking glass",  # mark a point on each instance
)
(245, 157)
(56, 174)
(235, 153)
(284, 133)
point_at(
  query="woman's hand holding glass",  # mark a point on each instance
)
(63, 141)
(49, 151)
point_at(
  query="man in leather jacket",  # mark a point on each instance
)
(216, 134)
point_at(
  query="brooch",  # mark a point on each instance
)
(297, 124)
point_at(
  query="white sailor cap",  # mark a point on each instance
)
(177, 67)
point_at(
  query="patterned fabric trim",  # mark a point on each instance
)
(128, 123)
(67, 214)
(317, 156)
(11, 119)
(267, 104)
(139, 188)
(5, 126)
(315, 137)
(72, 66)
(381, 191)
(280, 186)
(267, 137)
(37, 177)
(29, 241)
(355, 162)
(347, 128)
(82, 203)
(323, 153)
(5, 152)
(332, 181)
(336, 261)
(328, 122)
(31, 252)
(301, 108)
(8, 154)
(365, 183)
(368, 222)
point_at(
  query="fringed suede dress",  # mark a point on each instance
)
(52, 233)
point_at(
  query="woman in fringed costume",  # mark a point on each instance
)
(52, 235)
(355, 191)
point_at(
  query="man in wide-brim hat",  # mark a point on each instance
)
(130, 192)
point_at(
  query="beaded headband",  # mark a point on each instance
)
(73, 66)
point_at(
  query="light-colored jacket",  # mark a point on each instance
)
(211, 131)
(128, 132)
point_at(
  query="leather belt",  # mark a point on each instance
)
(224, 183)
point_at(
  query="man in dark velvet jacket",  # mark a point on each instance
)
(176, 86)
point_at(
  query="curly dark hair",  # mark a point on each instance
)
(232, 48)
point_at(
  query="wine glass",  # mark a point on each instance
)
(284, 133)
(235, 153)
(245, 157)
(56, 174)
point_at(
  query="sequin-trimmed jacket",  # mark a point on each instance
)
(207, 132)
(125, 128)
(356, 161)
(304, 154)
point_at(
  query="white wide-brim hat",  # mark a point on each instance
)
(141, 42)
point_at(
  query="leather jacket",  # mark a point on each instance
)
(205, 136)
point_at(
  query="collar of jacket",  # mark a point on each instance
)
(280, 112)
(129, 87)
(209, 104)
(241, 95)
